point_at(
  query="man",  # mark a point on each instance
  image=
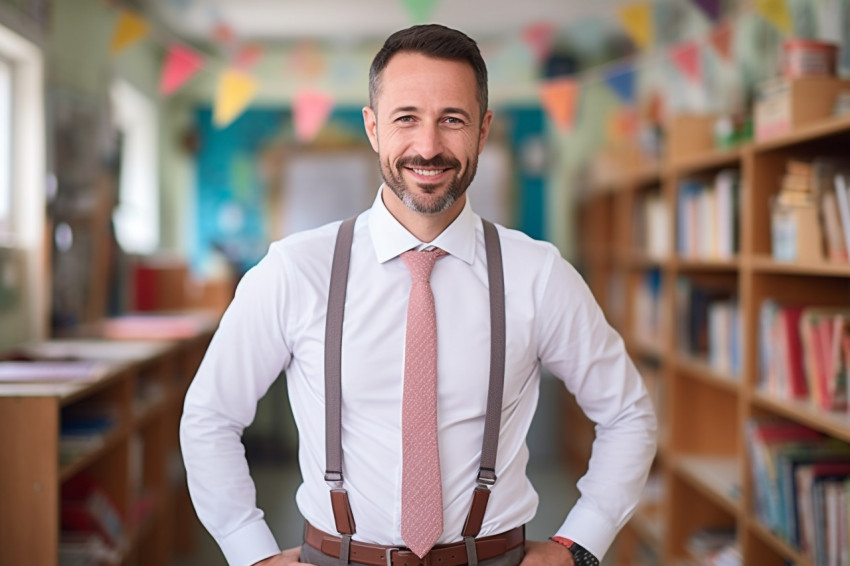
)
(428, 121)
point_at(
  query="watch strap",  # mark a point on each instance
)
(581, 556)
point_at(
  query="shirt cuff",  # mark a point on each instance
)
(589, 529)
(249, 544)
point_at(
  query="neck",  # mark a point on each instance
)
(426, 227)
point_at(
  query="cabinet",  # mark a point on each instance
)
(133, 390)
(648, 273)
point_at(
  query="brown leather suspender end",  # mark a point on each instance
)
(475, 517)
(342, 512)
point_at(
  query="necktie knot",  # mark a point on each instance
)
(421, 264)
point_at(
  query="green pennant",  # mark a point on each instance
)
(419, 11)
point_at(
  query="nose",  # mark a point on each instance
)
(429, 141)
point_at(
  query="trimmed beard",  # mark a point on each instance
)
(394, 179)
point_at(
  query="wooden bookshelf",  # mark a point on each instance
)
(140, 386)
(704, 462)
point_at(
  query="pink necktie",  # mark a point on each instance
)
(421, 486)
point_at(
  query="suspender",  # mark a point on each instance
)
(333, 387)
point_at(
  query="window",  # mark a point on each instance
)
(137, 214)
(5, 148)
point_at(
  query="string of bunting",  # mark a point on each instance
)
(559, 96)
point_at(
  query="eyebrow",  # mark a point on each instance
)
(448, 110)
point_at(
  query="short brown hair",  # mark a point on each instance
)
(432, 40)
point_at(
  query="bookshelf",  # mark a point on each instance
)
(703, 465)
(111, 435)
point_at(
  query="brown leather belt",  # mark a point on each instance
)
(441, 555)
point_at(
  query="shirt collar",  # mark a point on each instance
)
(391, 239)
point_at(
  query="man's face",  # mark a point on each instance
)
(427, 129)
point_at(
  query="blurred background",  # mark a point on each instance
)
(150, 151)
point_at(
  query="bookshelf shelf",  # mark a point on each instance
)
(709, 161)
(776, 543)
(715, 476)
(832, 423)
(816, 132)
(695, 264)
(83, 461)
(700, 369)
(766, 264)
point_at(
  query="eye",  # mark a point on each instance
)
(405, 119)
(454, 121)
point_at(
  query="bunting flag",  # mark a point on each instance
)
(721, 39)
(181, 64)
(130, 28)
(621, 79)
(686, 57)
(636, 18)
(248, 55)
(222, 34)
(776, 12)
(310, 111)
(558, 97)
(621, 125)
(711, 8)
(419, 11)
(233, 94)
(538, 37)
(307, 60)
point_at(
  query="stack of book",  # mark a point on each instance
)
(804, 354)
(707, 217)
(801, 480)
(710, 323)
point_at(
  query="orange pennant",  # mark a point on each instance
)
(558, 97)
(181, 64)
(310, 111)
(248, 55)
(721, 39)
(233, 94)
(130, 28)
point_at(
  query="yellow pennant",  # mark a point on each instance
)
(776, 12)
(130, 28)
(636, 18)
(233, 94)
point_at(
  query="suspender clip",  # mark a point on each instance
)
(486, 477)
(333, 477)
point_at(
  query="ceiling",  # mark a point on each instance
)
(368, 20)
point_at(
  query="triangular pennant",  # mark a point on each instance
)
(621, 79)
(539, 38)
(558, 97)
(776, 12)
(181, 64)
(419, 11)
(233, 94)
(307, 60)
(130, 28)
(710, 7)
(248, 55)
(686, 57)
(222, 33)
(636, 18)
(721, 39)
(310, 111)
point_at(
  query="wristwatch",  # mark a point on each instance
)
(581, 556)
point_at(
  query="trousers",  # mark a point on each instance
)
(310, 555)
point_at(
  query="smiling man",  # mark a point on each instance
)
(412, 339)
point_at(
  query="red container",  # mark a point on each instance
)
(808, 58)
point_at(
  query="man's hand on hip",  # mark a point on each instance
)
(546, 554)
(288, 557)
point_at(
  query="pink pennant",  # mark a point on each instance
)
(248, 55)
(222, 33)
(686, 56)
(538, 37)
(181, 64)
(721, 39)
(310, 111)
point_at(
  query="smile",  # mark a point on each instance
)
(428, 172)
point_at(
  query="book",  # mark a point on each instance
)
(841, 188)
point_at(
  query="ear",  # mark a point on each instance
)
(370, 121)
(485, 130)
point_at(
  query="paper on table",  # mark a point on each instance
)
(50, 371)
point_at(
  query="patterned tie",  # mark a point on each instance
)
(421, 486)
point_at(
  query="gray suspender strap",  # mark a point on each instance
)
(492, 422)
(333, 379)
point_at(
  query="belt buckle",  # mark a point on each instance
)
(426, 561)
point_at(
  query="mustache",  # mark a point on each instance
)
(438, 162)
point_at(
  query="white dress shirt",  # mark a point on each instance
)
(277, 322)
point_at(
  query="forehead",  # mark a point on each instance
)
(414, 79)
